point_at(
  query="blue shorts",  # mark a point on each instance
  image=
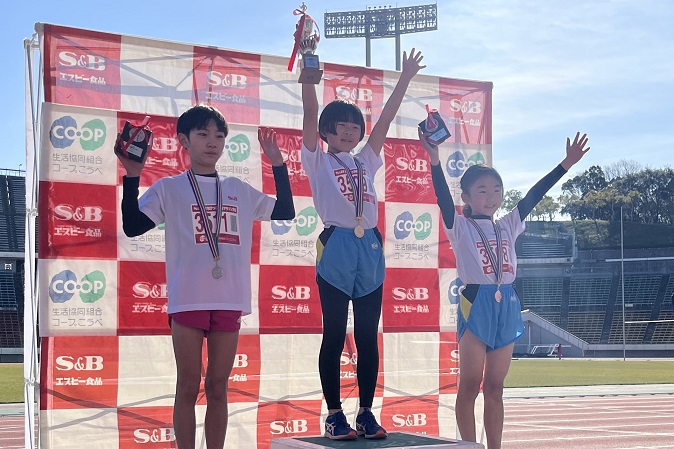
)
(496, 324)
(351, 264)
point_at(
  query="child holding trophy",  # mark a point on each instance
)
(350, 257)
(209, 220)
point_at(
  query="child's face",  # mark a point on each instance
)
(205, 147)
(485, 196)
(345, 139)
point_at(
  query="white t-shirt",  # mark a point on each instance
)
(189, 260)
(332, 191)
(472, 262)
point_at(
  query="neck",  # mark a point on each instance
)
(203, 169)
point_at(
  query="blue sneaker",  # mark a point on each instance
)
(366, 424)
(336, 427)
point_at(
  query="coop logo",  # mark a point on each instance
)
(413, 420)
(289, 427)
(454, 291)
(67, 212)
(412, 294)
(84, 363)
(414, 165)
(299, 292)
(354, 93)
(238, 148)
(64, 132)
(465, 107)
(234, 80)
(144, 290)
(457, 163)
(72, 59)
(305, 223)
(405, 224)
(64, 285)
(160, 435)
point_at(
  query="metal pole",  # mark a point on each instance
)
(368, 60)
(397, 44)
(622, 274)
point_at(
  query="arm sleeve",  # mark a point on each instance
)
(538, 191)
(284, 209)
(445, 200)
(134, 222)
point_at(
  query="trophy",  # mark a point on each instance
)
(434, 127)
(306, 41)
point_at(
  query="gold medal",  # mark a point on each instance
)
(498, 296)
(359, 231)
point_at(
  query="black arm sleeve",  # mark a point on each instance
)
(134, 222)
(538, 191)
(284, 209)
(445, 200)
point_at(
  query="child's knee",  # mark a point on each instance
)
(216, 390)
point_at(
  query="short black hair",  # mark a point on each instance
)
(198, 117)
(340, 111)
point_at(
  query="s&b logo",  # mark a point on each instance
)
(415, 165)
(64, 132)
(457, 163)
(84, 363)
(72, 59)
(160, 435)
(405, 224)
(144, 290)
(413, 420)
(412, 294)
(289, 427)
(240, 361)
(301, 292)
(354, 94)
(305, 223)
(64, 285)
(216, 78)
(465, 107)
(67, 212)
(238, 148)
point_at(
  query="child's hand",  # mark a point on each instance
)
(267, 138)
(133, 168)
(412, 64)
(431, 149)
(575, 151)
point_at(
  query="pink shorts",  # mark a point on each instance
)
(209, 320)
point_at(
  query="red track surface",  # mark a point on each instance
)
(573, 419)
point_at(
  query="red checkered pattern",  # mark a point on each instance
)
(107, 362)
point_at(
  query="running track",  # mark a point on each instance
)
(607, 417)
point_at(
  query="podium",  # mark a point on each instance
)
(395, 440)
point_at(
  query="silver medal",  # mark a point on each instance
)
(217, 272)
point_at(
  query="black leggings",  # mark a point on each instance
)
(366, 313)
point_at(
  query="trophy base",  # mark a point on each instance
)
(310, 76)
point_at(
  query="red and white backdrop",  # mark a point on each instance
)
(107, 369)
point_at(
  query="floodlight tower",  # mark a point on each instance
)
(381, 22)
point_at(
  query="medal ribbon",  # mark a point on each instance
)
(357, 188)
(210, 236)
(496, 260)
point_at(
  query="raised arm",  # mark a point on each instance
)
(310, 121)
(574, 152)
(444, 197)
(284, 208)
(134, 222)
(411, 66)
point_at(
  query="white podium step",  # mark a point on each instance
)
(395, 440)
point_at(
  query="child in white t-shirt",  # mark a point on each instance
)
(208, 220)
(350, 258)
(489, 314)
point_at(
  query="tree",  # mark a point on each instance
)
(510, 200)
(621, 169)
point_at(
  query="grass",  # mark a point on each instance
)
(575, 372)
(523, 373)
(11, 382)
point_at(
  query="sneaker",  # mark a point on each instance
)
(366, 424)
(336, 427)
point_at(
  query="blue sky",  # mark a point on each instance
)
(605, 67)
